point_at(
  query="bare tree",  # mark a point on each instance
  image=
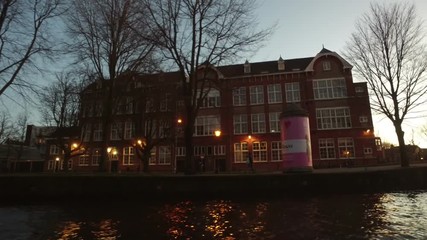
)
(24, 36)
(105, 40)
(59, 105)
(387, 51)
(59, 101)
(193, 33)
(6, 127)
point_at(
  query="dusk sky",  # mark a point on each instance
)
(303, 26)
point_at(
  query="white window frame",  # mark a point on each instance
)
(326, 66)
(241, 152)
(212, 99)
(86, 132)
(333, 118)
(128, 156)
(240, 124)
(276, 151)
(292, 92)
(363, 119)
(239, 96)
(274, 93)
(219, 150)
(129, 130)
(330, 88)
(258, 123)
(206, 125)
(359, 89)
(274, 121)
(165, 155)
(116, 130)
(344, 145)
(256, 94)
(84, 160)
(97, 132)
(96, 156)
(180, 151)
(327, 148)
(153, 156)
(54, 150)
(164, 103)
(259, 151)
(50, 164)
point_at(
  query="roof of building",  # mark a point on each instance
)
(297, 64)
(65, 132)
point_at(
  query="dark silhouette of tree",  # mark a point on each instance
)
(387, 51)
(193, 33)
(105, 41)
(24, 36)
(59, 106)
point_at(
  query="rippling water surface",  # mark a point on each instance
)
(370, 216)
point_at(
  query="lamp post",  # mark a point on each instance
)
(56, 163)
(178, 125)
(217, 135)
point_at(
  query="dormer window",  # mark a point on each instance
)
(326, 66)
(247, 67)
(281, 64)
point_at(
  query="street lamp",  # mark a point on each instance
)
(56, 164)
(217, 134)
(178, 124)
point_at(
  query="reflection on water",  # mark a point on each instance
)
(373, 216)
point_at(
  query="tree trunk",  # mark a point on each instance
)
(404, 161)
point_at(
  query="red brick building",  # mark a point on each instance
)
(244, 106)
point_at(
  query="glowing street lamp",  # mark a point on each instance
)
(217, 133)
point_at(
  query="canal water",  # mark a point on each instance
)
(401, 215)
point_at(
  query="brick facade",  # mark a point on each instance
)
(244, 106)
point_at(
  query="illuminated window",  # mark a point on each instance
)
(346, 147)
(206, 125)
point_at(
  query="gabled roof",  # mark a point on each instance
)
(324, 50)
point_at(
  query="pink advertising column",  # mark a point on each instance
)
(295, 136)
